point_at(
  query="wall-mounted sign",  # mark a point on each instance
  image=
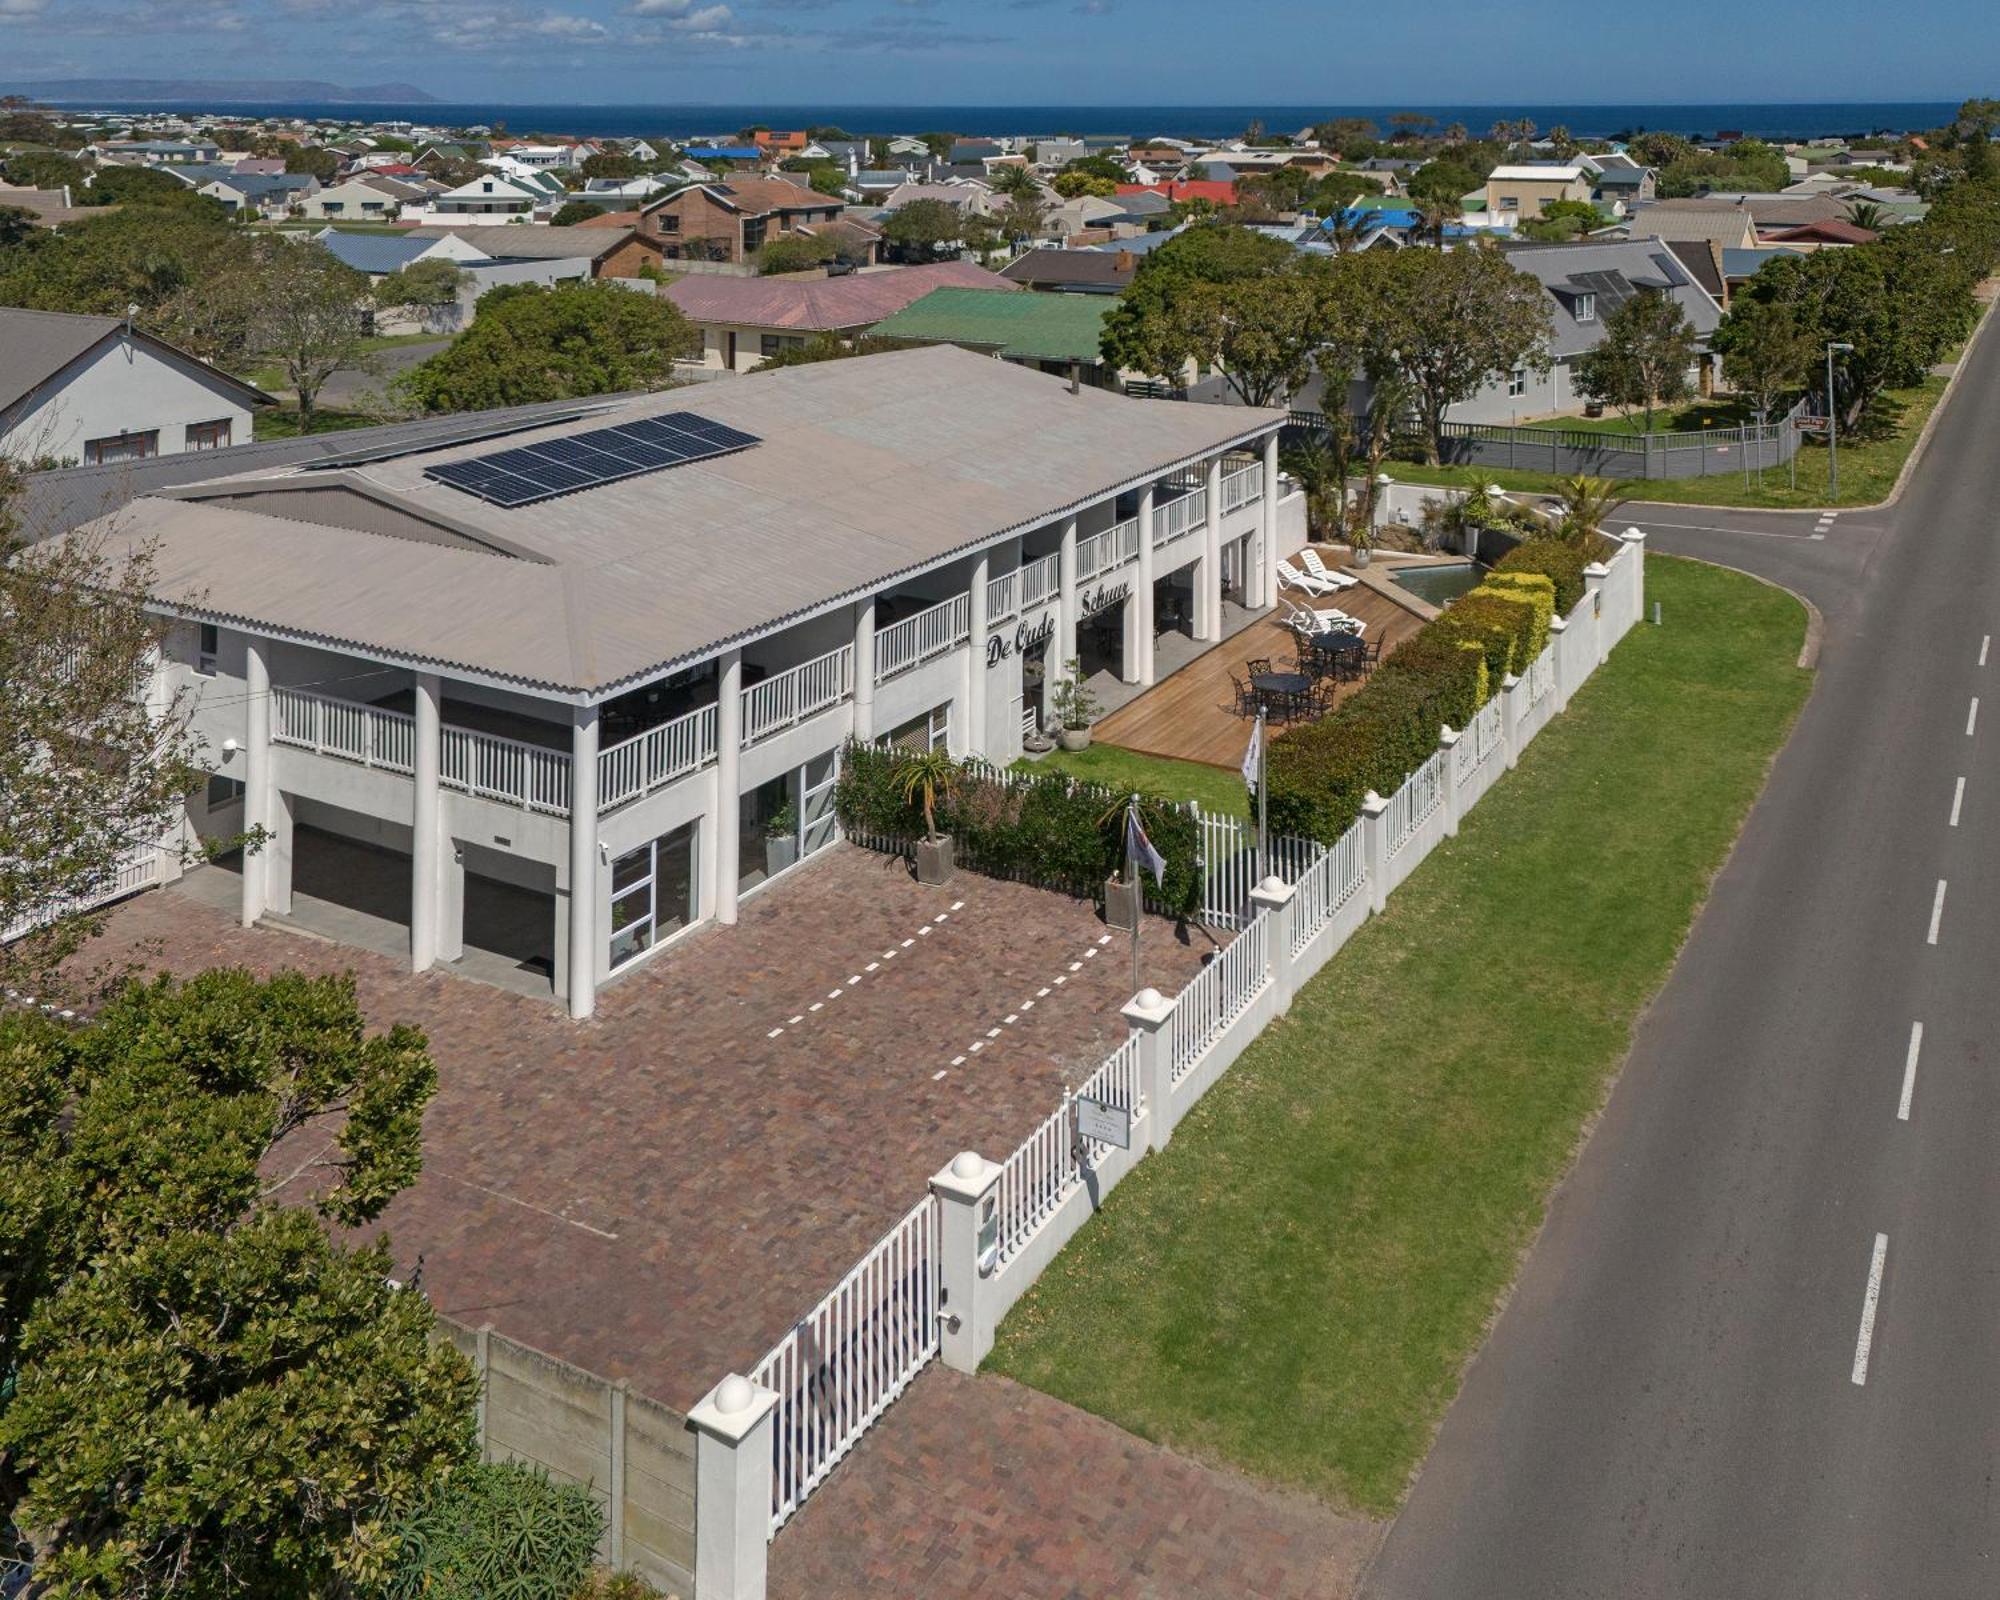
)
(1107, 1124)
(1026, 636)
(1103, 596)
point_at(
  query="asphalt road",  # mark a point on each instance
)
(1683, 1397)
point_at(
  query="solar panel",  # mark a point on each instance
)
(533, 472)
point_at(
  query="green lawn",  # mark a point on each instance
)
(1691, 418)
(1216, 789)
(1295, 1285)
(1868, 468)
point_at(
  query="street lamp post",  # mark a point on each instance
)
(1832, 425)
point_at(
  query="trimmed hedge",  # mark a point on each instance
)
(1048, 830)
(1500, 626)
(1558, 560)
(1535, 589)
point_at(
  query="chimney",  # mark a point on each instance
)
(1123, 261)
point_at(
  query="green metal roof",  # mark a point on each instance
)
(1024, 326)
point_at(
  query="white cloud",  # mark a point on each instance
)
(561, 26)
(20, 8)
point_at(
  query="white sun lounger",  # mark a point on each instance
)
(1304, 582)
(1309, 559)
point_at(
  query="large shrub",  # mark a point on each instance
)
(500, 1531)
(1558, 560)
(1454, 668)
(1321, 772)
(1049, 831)
(1533, 589)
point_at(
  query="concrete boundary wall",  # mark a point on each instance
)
(634, 1455)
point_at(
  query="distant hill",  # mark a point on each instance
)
(225, 91)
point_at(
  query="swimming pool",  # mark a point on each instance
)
(1441, 584)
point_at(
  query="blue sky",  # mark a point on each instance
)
(1039, 51)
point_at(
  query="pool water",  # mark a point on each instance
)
(1442, 584)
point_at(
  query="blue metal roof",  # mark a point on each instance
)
(374, 253)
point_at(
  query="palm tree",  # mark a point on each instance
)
(1867, 214)
(1016, 182)
(1584, 504)
(931, 775)
(1433, 217)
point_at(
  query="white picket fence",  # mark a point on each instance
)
(137, 869)
(860, 1346)
(1230, 868)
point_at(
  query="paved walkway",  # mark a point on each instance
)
(656, 1194)
(980, 1487)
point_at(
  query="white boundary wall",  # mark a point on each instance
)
(998, 1225)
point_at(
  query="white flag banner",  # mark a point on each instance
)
(1140, 849)
(1253, 757)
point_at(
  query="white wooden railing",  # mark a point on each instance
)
(655, 758)
(1242, 486)
(1327, 886)
(1039, 1175)
(904, 644)
(1040, 580)
(1218, 994)
(347, 729)
(1412, 804)
(1000, 597)
(527, 775)
(799, 692)
(851, 1355)
(1175, 517)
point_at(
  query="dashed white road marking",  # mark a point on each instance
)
(873, 966)
(1957, 800)
(851, 982)
(834, 994)
(1937, 913)
(774, 1033)
(1042, 993)
(978, 1045)
(1090, 954)
(1869, 1302)
(1972, 717)
(922, 932)
(1104, 938)
(1985, 641)
(1012, 1017)
(525, 1205)
(907, 943)
(992, 1033)
(1063, 977)
(958, 1061)
(1910, 1072)
(817, 1005)
(942, 916)
(1026, 1005)
(1076, 966)
(941, 1071)
(793, 1022)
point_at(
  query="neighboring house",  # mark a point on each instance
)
(362, 199)
(1703, 260)
(1073, 271)
(88, 390)
(488, 198)
(1069, 218)
(723, 156)
(777, 145)
(1740, 266)
(605, 252)
(155, 152)
(263, 195)
(905, 144)
(1217, 192)
(974, 152)
(732, 219)
(1836, 233)
(967, 198)
(51, 208)
(743, 322)
(1054, 333)
(563, 722)
(1054, 154)
(1729, 227)
(1522, 191)
(1619, 180)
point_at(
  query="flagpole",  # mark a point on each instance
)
(1138, 900)
(1263, 816)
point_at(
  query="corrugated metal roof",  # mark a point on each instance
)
(820, 303)
(869, 469)
(1027, 327)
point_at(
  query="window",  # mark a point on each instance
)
(121, 447)
(206, 648)
(1586, 308)
(669, 222)
(1517, 383)
(652, 893)
(223, 791)
(931, 731)
(1510, 202)
(771, 344)
(208, 435)
(753, 234)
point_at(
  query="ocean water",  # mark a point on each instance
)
(1803, 120)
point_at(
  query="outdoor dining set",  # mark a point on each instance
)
(1332, 649)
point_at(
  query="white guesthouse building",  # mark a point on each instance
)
(563, 731)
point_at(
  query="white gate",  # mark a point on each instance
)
(1229, 868)
(851, 1355)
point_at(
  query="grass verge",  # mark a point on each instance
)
(1216, 789)
(1295, 1284)
(1868, 468)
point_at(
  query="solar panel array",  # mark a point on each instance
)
(532, 472)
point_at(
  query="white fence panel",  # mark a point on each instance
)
(1217, 995)
(369, 735)
(916, 639)
(137, 869)
(1179, 516)
(1000, 596)
(789, 697)
(851, 1355)
(525, 775)
(655, 758)
(1241, 487)
(1040, 581)
(1229, 867)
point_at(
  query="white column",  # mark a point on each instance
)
(451, 899)
(1148, 1013)
(1208, 575)
(277, 856)
(426, 849)
(979, 737)
(583, 919)
(732, 1470)
(1558, 626)
(864, 670)
(1068, 602)
(1274, 897)
(1267, 528)
(1635, 579)
(1375, 849)
(728, 782)
(1513, 694)
(1453, 811)
(259, 781)
(1593, 611)
(1142, 610)
(968, 1237)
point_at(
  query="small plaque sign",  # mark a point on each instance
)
(1106, 1124)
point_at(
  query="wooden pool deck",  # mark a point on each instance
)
(1190, 716)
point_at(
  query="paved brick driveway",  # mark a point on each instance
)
(657, 1193)
(979, 1488)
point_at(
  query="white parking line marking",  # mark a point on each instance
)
(1910, 1072)
(1868, 1305)
(923, 931)
(908, 942)
(1076, 966)
(941, 916)
(992, 1033)
(1985, 640)
(978, 1045)
(1937, 911)
(941, 1071)
(817, 1005)
(1090, 954)
(833, 994)
(851, 982)
(1063, 978)
(1972, 717)
(774, 1033)
(1104, 938)
(1027, 1005)
(1957, 800)
(1012, 1018)
(873, 966)
(1043, 993)
(793, 1022)
(958, 905)
(958, 1061)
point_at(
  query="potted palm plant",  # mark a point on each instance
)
(930, 776)
(781, 839)
(1075, 708)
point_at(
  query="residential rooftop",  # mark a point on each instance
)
(1024, 327)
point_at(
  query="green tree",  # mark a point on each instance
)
(498, 1529)
(571, 212)
(125, 186)
(1766, 353)
(529, 343)
(314, 161)
(428, 289)
(923, 230)
(1016, 183)
(939, 144)
(1260, 334)
(17, 228)
(47, 169)
(610, 164)
(305, 315)
(1443, 180)
(1145, 330)
(829, 180)
(1642, 360)
(796, 252)
(1453, 318)
(210, 1396)
(1098, 166)
(1073, 185)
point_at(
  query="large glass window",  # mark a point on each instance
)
(787, 819)
(652, 893)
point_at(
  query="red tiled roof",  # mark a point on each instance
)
(1833, 230)
(758, 196)
(1216, 191)
(820, 304)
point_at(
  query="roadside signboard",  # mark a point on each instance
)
(1107, 1124)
